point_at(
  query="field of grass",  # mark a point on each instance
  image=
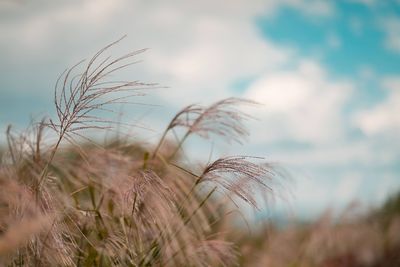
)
(371, 239)
(68, 201)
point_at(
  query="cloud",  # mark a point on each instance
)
(38, 27)
(217, 54)
(195, 47)
(383, 118)
(198, 49)
(301, 105)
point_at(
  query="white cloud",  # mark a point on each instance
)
(302, 105)
(9, 4)
(383, 119)
(90, 18)
(198, 49)
(42, 25)
(196, 46)
(217, 54)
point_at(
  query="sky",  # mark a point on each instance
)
(327, 74)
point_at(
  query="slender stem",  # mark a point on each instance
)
(160, 143)
(46, 168)
(180, 144)
(201, 204)
(185, 222)
(199, 207)
(198, 179)
(9, 141)
(41, 179)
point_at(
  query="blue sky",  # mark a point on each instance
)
(326, 72)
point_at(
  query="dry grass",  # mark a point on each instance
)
(328, 242)
(64, 202)
(117, 204)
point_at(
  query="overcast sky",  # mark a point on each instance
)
(326, 72)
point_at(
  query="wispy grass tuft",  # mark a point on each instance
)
(222, 118)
